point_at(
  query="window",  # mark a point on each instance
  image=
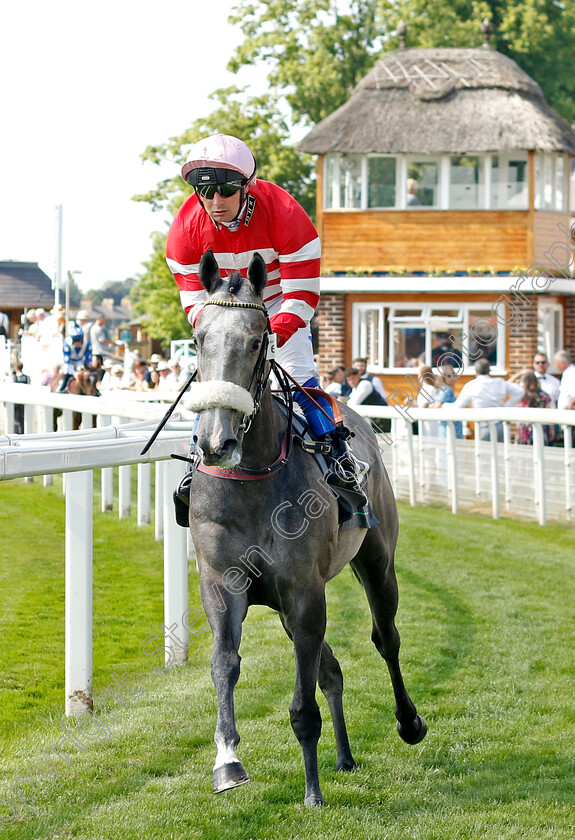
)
(381, 181)
(509, 182)
(370, 323)
(343, 182)
(464, 183)
(393, 337)
(423, 183)
(560, 184)
(549, 328)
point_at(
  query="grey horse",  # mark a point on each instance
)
(265, 528)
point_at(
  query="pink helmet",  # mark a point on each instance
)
(219, 158)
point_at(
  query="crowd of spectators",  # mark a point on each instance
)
(531, 388)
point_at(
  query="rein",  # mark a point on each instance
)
(260, 379)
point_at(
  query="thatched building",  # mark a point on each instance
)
(442, 182)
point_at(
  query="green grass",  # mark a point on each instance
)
(486, 618)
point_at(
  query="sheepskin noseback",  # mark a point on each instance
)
(219, 394)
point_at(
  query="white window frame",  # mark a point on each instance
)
(549, 336)
(360, 349)
(422, 317)
(485, 187)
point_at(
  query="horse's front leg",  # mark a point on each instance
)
(306, 623)
(225, 612)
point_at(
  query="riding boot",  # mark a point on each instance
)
(181, 494)
(344, 469)
(346, 473)
(181, 498)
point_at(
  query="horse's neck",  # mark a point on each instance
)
(262, 443)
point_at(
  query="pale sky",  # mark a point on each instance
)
(85, 88)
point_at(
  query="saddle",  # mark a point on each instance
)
(336, 460)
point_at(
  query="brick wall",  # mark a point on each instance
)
(331, 324)
(522, 339)
(569, 324)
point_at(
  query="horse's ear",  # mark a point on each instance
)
(257, 273)
(209, 272)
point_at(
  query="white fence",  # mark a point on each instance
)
(531, 481)
(77, 454)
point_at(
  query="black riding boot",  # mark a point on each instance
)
(346, 473)
(181, 498)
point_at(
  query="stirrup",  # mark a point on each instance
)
(348, 472)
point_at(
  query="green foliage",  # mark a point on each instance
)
(318, 50)
(156, 296)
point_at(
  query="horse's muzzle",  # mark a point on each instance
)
(217, 439)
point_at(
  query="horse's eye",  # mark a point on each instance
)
(256, 343)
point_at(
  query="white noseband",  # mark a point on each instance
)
(219, 394)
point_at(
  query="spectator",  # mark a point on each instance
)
(338, 386)
(101, 344)
(22, 378)
(164, 383)
(141, 380)
(28, 320)
(549, 384)
(426, 397)
(534, 397)
(49, 376)
(176, 377)
(445, 395)
(36, 329)
(97, 367)
(55, 322)
(112, 379)
(487, 391)
(4, 325)
(565, 366)
(363, 392)
(82, 321)
(360, 364)
(412, 190)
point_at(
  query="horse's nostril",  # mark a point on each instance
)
(227, 447)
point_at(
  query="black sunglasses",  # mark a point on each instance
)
(225, 190)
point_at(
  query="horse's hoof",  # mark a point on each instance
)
(414, 733)
(346, 765)
(314, 801)
(229, 776)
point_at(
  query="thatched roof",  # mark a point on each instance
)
(447, 100)
(24, 284)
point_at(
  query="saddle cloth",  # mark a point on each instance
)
(351, 515)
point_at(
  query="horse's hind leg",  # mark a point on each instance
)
(330, 679)
(225, 612)
(374, 567)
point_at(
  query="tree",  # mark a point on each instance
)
(156, 296)
(318, 50)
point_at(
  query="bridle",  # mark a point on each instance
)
(259, 382)
(259, 376)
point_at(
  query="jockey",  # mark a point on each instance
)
(77, 355)
(235, 215)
